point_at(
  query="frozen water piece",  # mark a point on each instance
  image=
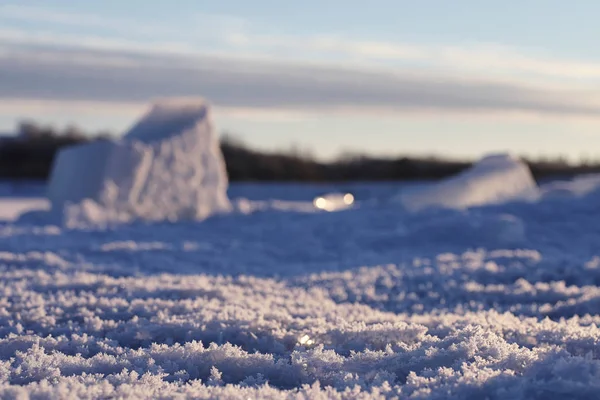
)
(167, 167)
(577, 187)
(495, 179)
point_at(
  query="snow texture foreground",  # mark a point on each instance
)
(496, 302)
(168, 167)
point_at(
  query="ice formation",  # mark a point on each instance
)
(576, 187)
(494, 179)
(167, 167)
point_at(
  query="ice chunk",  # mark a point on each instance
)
(83, 171)
(167, 167)
(576, 187)
(494, 179)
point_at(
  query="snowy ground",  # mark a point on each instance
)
(498, 302)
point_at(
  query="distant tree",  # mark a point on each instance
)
(32, 155)
(72, 132)
(231, 140)
(28, 130)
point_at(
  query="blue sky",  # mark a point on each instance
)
(457, 78)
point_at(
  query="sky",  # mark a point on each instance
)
(458, 79)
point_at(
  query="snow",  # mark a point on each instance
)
(13, 208)
(578, 186)
(167, 167)
(280, 300)
(494, 179)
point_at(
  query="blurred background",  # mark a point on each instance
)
(310, 91)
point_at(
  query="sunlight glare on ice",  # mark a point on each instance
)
(306, 340)
(333, 201)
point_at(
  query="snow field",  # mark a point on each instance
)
(472, 295)
(77, 320)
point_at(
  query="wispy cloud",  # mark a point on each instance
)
(234, 34)
(69, 74)
(248, 70)
(16, 41)
(484, 58)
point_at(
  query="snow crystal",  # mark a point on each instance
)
(280, 301)
(167, 167)
(90, 335)
(494, 179)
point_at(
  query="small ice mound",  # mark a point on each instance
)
(168, 166)
(334, 201)
(577, 187)
(495, 179)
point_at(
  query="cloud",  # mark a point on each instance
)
(16, 42)
(70, 74)
(486, 59)
(291, 74)
(15, 106)
(233, 34)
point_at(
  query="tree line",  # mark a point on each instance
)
(29, 156)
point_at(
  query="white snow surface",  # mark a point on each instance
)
(280, 302)
(167, 167)
(578, 186)
(494, 179)
(13, 208)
